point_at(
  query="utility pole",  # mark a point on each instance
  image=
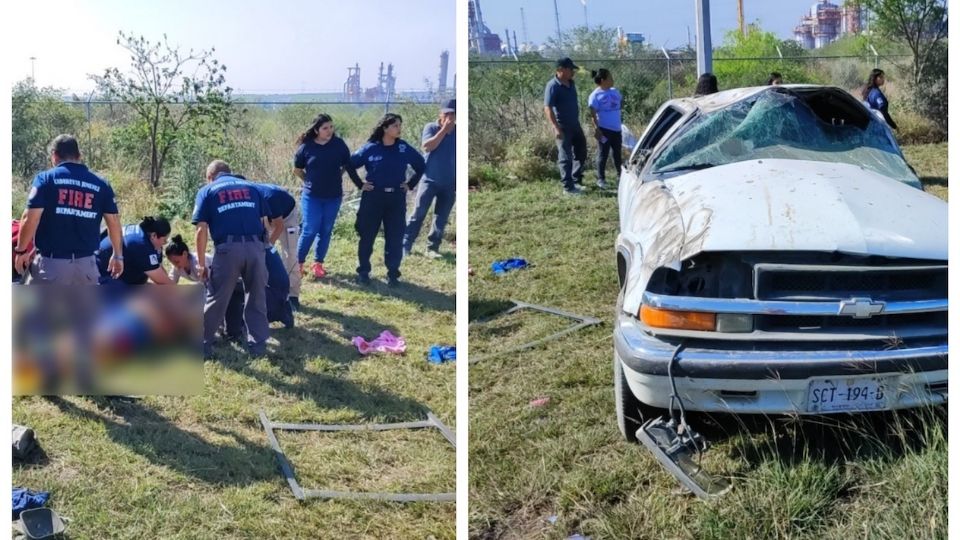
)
(704, 47)
(556, 14)
(743, 29)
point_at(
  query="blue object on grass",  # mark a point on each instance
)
(440, 354)
(25, 499)
(504, 266)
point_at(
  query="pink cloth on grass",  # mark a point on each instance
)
(385, 343)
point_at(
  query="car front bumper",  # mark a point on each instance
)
(769, 377)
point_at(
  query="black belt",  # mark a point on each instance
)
(65, 254)
(240, 238)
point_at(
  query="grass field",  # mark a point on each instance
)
(563, 468)
(201, 466)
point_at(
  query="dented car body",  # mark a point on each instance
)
(777, 255)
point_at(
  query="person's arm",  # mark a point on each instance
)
(28, 230)
(357, 161)
(431, 140)
(415, 161)
(174, 275)
(300, 173)
(349, 168)
(158, 276)
(275, 226)
(300, 163)
(115, 232)
(203, 231)
(548, 109)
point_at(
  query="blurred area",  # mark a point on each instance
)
(96, 340)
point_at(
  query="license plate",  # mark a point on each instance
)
(849, 394)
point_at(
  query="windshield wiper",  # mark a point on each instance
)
(691, 167)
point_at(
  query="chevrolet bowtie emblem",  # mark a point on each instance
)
(860, 308)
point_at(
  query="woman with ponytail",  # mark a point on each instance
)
(142, 253)
(605, 102)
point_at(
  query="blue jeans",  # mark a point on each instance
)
(426, 192)
(319, 216)
(571, 156)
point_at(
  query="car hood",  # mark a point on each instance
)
(792, 205)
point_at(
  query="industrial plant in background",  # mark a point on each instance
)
(482, 40)
(386, 88)
(828, 22)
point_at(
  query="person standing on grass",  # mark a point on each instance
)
(874, 97)
(560, 104)
(231, 211)
(384, 199)
(320, 162)
(439, 179)
(605, 102)
(62, 220)
(283, 220)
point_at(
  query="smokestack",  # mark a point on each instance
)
(442, 84)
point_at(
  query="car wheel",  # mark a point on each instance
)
(628, 406)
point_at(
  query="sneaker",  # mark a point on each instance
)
(363, 279)
(433, 253)
(288, 319)
(318, 271)
(393, 282)
(573, 191)
(601, 183)
(295, 303)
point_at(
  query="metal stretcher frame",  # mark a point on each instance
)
(287, 469)
(582, 321)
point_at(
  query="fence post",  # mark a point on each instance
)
(876, 57)
(669, 74)
(523, 99)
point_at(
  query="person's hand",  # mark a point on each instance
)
(115, 267)
(22, 262)
(202, 273)
(597, 134)
(367, 186)
(557, 132)
(447, 125)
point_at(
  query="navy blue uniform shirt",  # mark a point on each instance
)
(387, 165)
(563, 100)
(230, 205)
(74, 201)
(323, 165)
(139, 256)
(441, 166)
(279, 201)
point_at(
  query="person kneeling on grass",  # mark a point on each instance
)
(278, 287)
(141, 254)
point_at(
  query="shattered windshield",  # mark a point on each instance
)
(775, 125)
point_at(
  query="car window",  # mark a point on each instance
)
(662, 125)
(780, 125)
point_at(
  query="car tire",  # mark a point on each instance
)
(629, 408)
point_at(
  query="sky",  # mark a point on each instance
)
(664, 23)
(284, 46)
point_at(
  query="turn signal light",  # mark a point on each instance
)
(682, 320)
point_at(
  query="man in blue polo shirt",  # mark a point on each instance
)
(64, 209)
(439, 141)
(561, 106)
(231, 211)
(284, 225)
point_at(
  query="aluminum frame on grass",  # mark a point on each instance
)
(582, 322)
(287, 469)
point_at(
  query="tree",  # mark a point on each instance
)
(39, 115)
(921, 24)
(171, 93)
(583, 42)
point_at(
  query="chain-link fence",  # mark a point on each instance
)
(506, 96)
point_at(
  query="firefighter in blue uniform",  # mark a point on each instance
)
(231, 211)
(142, 249)
(384, 200)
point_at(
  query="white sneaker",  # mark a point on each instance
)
(601, 184)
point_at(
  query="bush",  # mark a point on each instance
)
(39, 115)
